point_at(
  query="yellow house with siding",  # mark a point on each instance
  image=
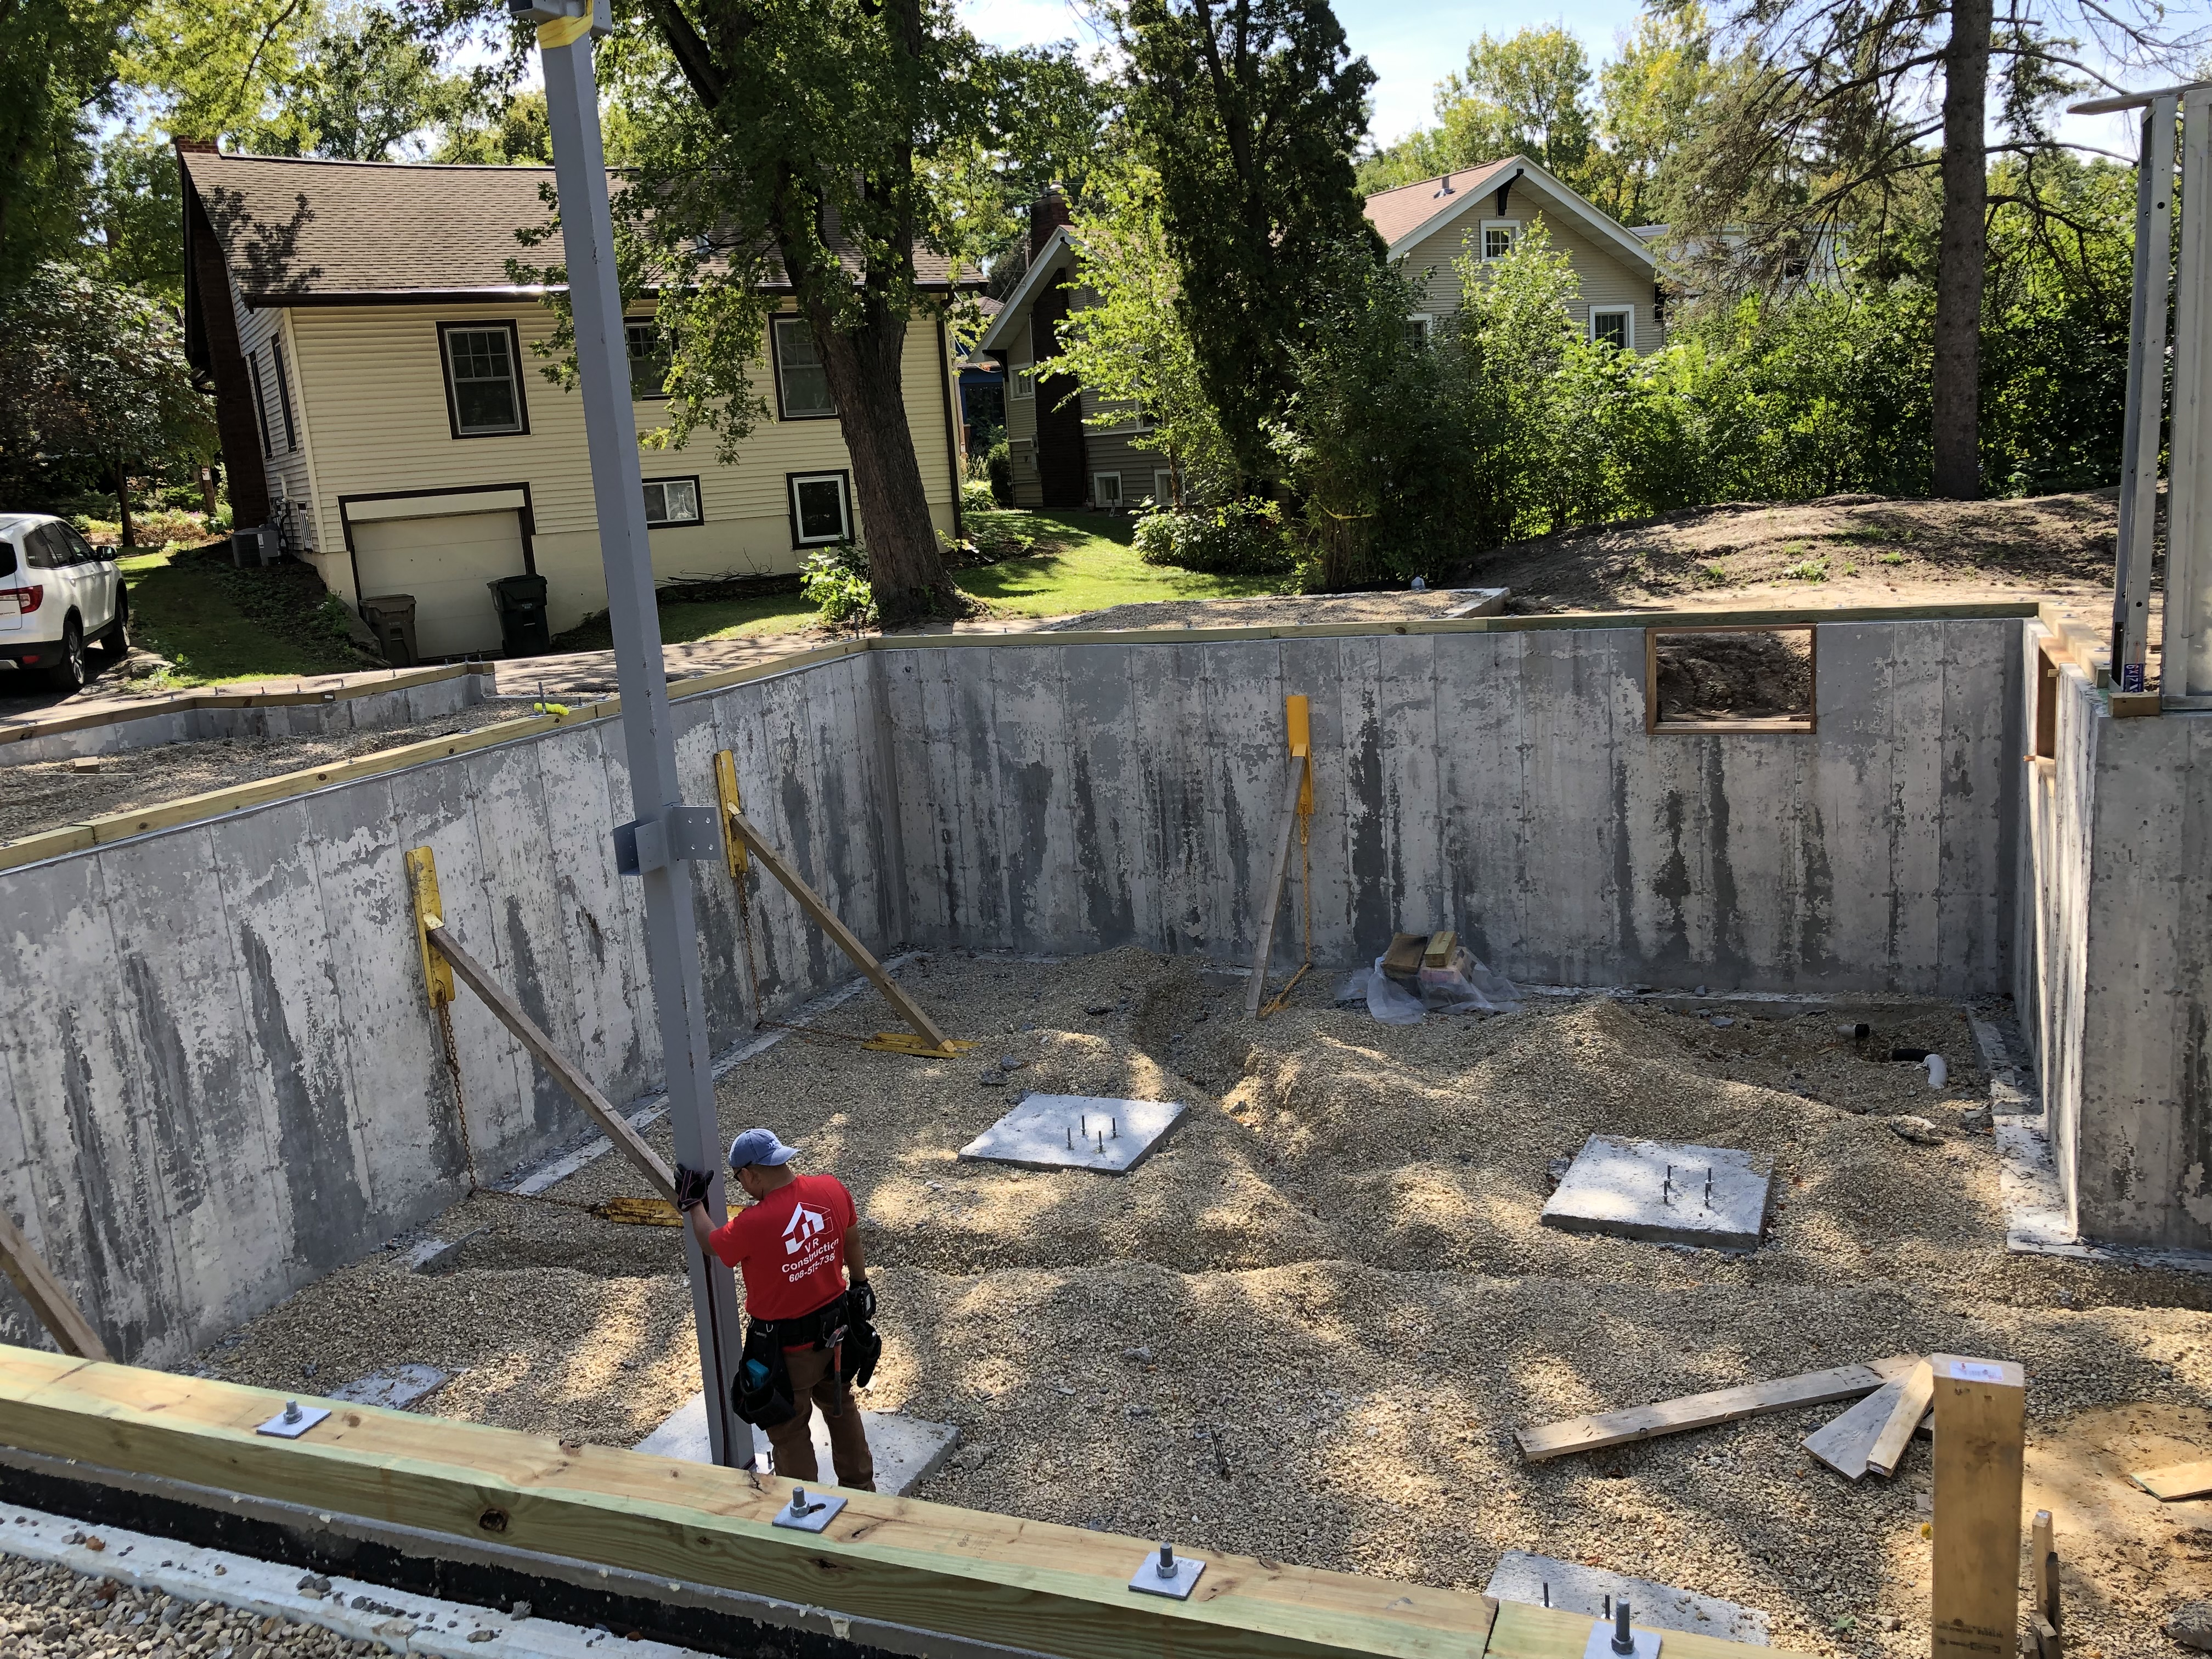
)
(1066, 454)
(381, 399)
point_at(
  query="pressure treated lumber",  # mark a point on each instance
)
(509, 1013)
(1980, 1448)
(2044, 1619)
(1697, 1411)
(2175, 1481)
(1843, 1442)
(1905, 1415)
(55, 1307)
(1018, 1583)
(839, 935)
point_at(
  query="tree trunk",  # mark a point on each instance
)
(1959, 276)
(864, 367)
(122, 501)
(207, 494)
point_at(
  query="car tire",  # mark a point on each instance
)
(115, 638)
(68, 673)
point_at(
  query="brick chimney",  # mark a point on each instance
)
(1047, 214)
(197, 146)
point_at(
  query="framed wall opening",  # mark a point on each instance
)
(1730, 678)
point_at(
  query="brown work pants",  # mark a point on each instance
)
(814, 1382)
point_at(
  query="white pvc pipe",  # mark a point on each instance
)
(1938, 1073)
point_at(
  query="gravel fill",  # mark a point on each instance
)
(47, 1610)
(1331, 1282)
(50, 793)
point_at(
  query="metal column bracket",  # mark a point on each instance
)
(429, 913)
(675, 832)
(1167, 1574)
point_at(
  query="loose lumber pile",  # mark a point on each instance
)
(1052, 1589)
(1699, 1411)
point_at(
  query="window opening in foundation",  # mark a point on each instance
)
(2047, 705)
(1728, 679)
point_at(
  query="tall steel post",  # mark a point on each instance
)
(656, 843)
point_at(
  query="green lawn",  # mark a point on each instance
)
(1085, 562)
(217, 623)
(1077, 562)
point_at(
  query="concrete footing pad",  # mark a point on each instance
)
(1713, 1197)
(1076, 1132)
(1521, 1577)
(907, 1452)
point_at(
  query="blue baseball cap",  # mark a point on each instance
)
(759, 1146)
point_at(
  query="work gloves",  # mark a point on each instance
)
(691, 1187)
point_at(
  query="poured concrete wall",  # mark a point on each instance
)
(221, 1079)
(1498, 782)
(2115, 980)
(195, 722)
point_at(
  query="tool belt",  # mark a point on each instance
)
(761, 1392)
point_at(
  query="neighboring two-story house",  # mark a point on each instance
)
(1061, 460)
(378, 397)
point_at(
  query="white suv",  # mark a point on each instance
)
(58, 591)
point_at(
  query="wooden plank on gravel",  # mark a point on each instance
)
(2174, 1482)
(1905, 1415)
(1007, 1580)
(1698, 1411)
(1843, 1443)
(1521, 1630)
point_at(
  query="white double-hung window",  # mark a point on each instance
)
(802, 385)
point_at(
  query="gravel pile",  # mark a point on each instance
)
(53, 1611)
(1330, 1284)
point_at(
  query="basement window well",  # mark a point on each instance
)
(1728, 679)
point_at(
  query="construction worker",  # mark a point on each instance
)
(792, 1247)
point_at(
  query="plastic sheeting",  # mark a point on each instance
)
(1464, 987)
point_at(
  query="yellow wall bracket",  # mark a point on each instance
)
(429, 912)
(726, 787)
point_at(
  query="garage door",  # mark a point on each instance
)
(444, 562)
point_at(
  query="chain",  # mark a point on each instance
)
(1305, 914)
(460, 1101)
(761, 1021)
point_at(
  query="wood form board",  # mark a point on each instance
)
(1060, 1589)
(1696, 1410)
(1980, 1447)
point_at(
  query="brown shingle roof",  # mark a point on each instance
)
(303, 232)
(1395, 213)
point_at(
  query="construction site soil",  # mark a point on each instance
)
(1307, 1327)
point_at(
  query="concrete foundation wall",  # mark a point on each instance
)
(2115, 978)
(378, 711)
(222, 1078)
(1500, 783)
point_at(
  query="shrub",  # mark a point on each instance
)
(975, 495)
(999, 466)
(1241, 537)
(836, 583)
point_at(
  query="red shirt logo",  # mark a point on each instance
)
(790, 1247)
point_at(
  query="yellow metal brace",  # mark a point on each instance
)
(1298, 721)
(429, 912)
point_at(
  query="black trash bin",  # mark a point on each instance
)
(522, 628)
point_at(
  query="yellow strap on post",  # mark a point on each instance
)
(726, 787)
(429, 912)
(565, 31)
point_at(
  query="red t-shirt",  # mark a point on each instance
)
(790, 1246)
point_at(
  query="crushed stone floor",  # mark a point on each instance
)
(51, 1611)
(1331, 1284)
